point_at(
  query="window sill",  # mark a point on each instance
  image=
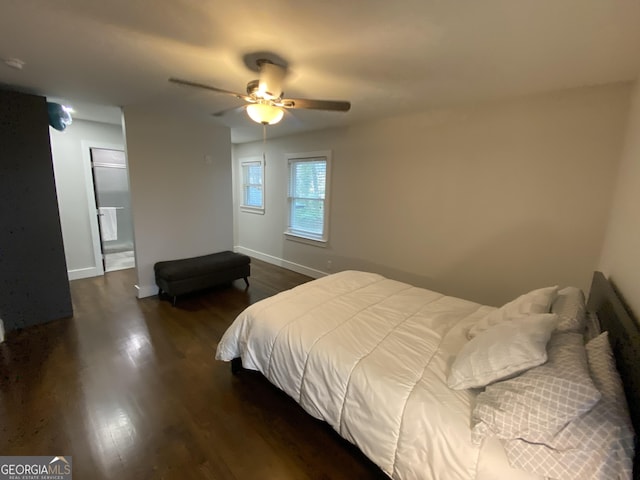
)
(297, 237)
(255, 210)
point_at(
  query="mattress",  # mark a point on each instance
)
(370, 356)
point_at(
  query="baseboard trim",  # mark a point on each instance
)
(146, 290)
(280, 262)
(79, 273)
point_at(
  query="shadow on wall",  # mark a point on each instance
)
(497, 271)
(500, 269)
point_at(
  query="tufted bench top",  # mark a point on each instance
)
(193, 267)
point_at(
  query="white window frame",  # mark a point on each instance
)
(246, 162)
(300, 235)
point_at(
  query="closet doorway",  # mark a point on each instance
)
(113, 204)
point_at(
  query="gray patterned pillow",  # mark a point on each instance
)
(569, 305)
(595, 446)
(538, 403)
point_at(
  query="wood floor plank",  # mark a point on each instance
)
(130, 389)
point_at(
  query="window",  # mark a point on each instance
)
(252, 185)
(308, 198)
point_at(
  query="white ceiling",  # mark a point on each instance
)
(387, 57)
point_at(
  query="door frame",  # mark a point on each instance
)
(87, 145)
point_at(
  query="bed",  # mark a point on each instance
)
(371, 356)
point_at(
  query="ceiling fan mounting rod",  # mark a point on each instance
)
(262, 61)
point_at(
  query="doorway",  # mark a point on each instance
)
(113, 204)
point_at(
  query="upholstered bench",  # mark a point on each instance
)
(177, 277)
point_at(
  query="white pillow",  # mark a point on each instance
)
(502, 351)
(536, 301)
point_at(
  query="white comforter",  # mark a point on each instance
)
(370, 356)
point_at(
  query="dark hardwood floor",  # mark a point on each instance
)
(131, 390)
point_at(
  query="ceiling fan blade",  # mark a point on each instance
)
(189, 83)
(333, 105)
(229, 110)
(292, 118)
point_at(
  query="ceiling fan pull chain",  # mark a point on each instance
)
(264, 143)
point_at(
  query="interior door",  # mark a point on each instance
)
(113, 201)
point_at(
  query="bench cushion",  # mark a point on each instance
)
(176, 277)
(197, 266)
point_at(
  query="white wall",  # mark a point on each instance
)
(69, 167)
(481, 202)
(621, 252)
(181, 192)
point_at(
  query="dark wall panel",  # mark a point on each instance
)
(34, 287)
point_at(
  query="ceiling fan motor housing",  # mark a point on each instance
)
(252, 87)
(271, 80)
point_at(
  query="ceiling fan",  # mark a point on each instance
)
(264, 96)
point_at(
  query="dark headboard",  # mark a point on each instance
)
(624, 336)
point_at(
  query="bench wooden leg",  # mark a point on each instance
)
(175, 298)
(236, 366)
(246, 281)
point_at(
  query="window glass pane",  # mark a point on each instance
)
(307, 215)
(254, 174)
(309, 179)
(253, 196)
(308, 183)
(252, 181)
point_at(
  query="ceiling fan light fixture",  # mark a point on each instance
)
(264, 113)
(264, 100)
